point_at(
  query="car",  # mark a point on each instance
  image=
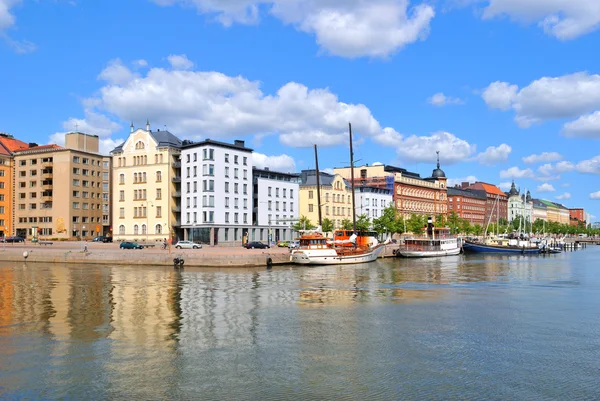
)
(130, 245)
(188, 245)
(283, 244)
(102, 238)
(14, 239)
(294, 244)
(256, 244)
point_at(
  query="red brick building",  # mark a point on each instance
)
(577, 217)
(497, 201)
(468, 204)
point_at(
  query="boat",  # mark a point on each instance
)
(316, 249)
(439, 243)
(500, 245)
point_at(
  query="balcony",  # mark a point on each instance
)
(176, 179)
(46, 198)
(47, 164)
(176, 164)
(47, 174)
(177, 223)
(176, 209)
(46, 184)
(176, 194)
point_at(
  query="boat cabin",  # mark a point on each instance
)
(363, 238)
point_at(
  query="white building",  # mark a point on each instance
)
(216, 191)
(276, 197)
(371, 201)
(519, 205)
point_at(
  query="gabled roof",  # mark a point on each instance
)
(43, 148)
(162, 138)
(9, 145)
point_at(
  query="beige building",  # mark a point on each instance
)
(58, 190)
(146, 177)
(336, 197)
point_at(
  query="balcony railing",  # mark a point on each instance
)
(46, 198)
(46, 185)
(176, 164)
(177, 179)
(176, 209)
(177, 194)
(46, 174)
(177, 223)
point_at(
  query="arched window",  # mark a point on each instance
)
(134, 178)
(158, 229)
(121, 178)
(158, 176)
(135, 230)
(139, 145)
(144, 229)
(144, 177)
(121, 229)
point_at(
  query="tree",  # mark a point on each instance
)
(347, 225)
(477, 229)
(386, 223)
(440, 220)
(415, 224)
(303, 224)
(327, 225)
(453, 222)
(465, 226)
(363, 223)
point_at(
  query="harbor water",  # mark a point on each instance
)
(466, 327)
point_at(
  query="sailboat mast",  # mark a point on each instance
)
(352, 179)
(318, 187)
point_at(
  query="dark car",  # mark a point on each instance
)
(15, 239)
(256, 244)
(102, 238)
(130, 245)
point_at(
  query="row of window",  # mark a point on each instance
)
(140, 212)
(270, 206)
(86, 160)
(209, 154)
(141, 229)
(139, 194)
(33, 173)
(33, 162)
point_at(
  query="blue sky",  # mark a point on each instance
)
(504, 90)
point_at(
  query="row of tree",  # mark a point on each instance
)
(391, 222)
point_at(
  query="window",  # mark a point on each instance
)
(310, 195)
(310, 208)
(284, 192)
(292, 194)
(235, 172)
(245, 174)
(269, 191)
(235, 203)
(245, 189)
(121, 196)
(143, 229)
(1, 209)
(235, 218)
(227, 187)
(195, 186)
(245, 218)
(245, 161)
(158, 229)
(277, 192)
(226, 201)
(158, 176)
(158, 193)
(226, 157)
(235, 187)
(121, 178)
(227, 172)
(226, 217)
(122, 213)
(121, 229)
(235, 159)
(135, 229)
(291, 206)
(76, 159)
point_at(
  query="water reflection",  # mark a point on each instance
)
(339, 331)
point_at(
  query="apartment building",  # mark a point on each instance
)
(578, 217)
(540, 210)
(275, 205)
(468, 204)
(217, 192)
(496, 207)
(371, 201)
(336, 197)
(146, 186)
(519, 205)
(58, 190)
(8, 145)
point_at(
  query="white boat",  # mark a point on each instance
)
(440, 243)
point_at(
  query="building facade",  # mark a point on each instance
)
(217, 192)
(371, 201)
(106, 192)
(275, 205)
(8, 146)
(336, 197)
(146, 186)
(519, 205)
(468, 204)
(578, 217)
(540, 210)
(58, 190)
(496, 207)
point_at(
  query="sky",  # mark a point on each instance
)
(504, 89)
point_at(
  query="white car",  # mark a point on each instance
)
(187, 245)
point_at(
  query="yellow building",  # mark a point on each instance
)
(336, 197)
(8, 145)
(146, 180)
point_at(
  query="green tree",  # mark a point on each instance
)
(363, 223)
(303, 224)
(440, 220)
(453, 222)
(347, 225)
(415, 224)
(327, 225)
(386, 223)
(465, 226)
(477, 229)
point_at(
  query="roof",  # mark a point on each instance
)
(470, 193)
(539, 204)
(237, 145)
(162, 138)
(43, 148)
(309, 178)
(268, 171)
(10, 145)
(488, 188)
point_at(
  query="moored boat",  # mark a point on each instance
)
(500, 245)
(440, 243)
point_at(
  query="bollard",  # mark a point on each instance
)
(269, 262)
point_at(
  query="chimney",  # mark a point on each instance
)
(266, 169)
(32, 144)
(238, 143)
(464, 185)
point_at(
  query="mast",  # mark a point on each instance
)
(318, 187)
(352, 179)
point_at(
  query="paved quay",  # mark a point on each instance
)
(111, 254)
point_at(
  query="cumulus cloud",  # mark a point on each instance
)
(544, 157)
(587, 126)
(505, 186)
(595, 195)
(6, 18)
(545, 188)
(439, 100)
(180, 62)
(452, 182)
(591, 166)
(516, 172)
(115, 73)
(563, 19)
(547, 98)
(282, 163)
(347, 28)
(564, 196)
(494, 154)
(549, 169)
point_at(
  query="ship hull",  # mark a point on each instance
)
(427, 254)
(308, 257)
(472, 247)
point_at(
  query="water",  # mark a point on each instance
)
(493, 327)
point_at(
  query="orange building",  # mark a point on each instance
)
(497, 201)
(8, 145)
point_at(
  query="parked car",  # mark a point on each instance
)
(256, 244)
(283, 244)
(130, 245)
(14, 239)
(294, 244)
(188, 245)
(102, 238)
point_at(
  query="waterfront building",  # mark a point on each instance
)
(217, 191)
(556, 212)
(577, 217)
(496, 207)
(372, 201)
(336, 197)
(540, 210)
(58, 190)
(519, 205)
(8, 146)
(411, 194)
(146, 181)
(275, 205)
(468, 204)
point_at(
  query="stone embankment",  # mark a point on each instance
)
(110, 254)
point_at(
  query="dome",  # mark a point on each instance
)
(513, 190)
(438, 172)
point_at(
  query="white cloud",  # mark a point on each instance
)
(563, 19)
(422, 148)
(116, 73)
(515, 172)
(545, 188)
(561, 167)
(452, 182)
(282, 163)
(595, 195)
(587, 126)
(565, 185)
(545, 178)
(505, 186)
(180, 62)
(547, 98)
(494, 154)
(140, 63)
(328, 171)
(591, 166)
(439, 100)
(6, 18)
(544, 157)
(347, 28)
(564, 196)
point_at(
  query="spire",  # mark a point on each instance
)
(131, 127)
(438, 158)
(147, 125)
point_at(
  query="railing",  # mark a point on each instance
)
(177, 179)
(177, 194)
(176, 164)
(176, 209)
